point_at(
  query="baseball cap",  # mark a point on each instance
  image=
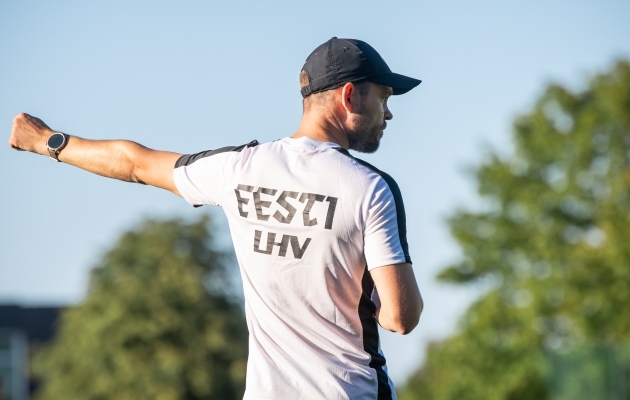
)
(339, 61)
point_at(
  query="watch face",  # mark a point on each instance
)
(56, 140)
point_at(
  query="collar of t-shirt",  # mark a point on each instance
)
(308, 144)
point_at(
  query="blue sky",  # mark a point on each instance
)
(190, 75)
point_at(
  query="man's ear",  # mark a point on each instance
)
(348, 97)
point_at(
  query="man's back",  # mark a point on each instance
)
(308, 221)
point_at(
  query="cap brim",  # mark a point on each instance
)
(401, 84)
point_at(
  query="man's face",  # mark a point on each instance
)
(369, 120)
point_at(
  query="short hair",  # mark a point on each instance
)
(321, 99)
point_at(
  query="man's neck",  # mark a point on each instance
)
(322, 127)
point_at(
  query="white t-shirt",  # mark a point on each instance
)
(308, 222)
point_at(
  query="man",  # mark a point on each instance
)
(320, 236)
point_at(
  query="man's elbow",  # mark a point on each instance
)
(403, 325)
(408, 324)
(405, 322)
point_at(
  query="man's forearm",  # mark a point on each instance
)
(110, 158)
(122, 159)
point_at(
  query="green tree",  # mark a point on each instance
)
(552, 247)
(149, 327)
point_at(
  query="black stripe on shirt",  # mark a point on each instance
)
(367, 311)
(191, 158)
(401, 218)
(367, 308)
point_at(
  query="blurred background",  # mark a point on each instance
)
(512, 157)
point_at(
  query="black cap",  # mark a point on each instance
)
(339, 61)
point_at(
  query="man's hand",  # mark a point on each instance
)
(29, 134)
(118, 159)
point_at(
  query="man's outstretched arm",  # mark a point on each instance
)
(118, 159)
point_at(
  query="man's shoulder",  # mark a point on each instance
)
(391, 182)
(188, 159)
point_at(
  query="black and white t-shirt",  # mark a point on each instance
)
(308, 222)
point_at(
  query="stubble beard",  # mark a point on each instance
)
(364, 138)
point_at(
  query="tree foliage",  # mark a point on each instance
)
(553, 246)
(149, 327)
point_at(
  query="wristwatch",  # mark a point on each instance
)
(56, 142)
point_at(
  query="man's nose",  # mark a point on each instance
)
(388, 114)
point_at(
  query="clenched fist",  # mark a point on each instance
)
(29, 134)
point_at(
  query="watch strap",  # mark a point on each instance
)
(53, 154)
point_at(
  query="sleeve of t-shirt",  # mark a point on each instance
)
(385, 237)
(201, 178)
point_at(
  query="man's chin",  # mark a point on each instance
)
(366, 147)
(365, 141)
